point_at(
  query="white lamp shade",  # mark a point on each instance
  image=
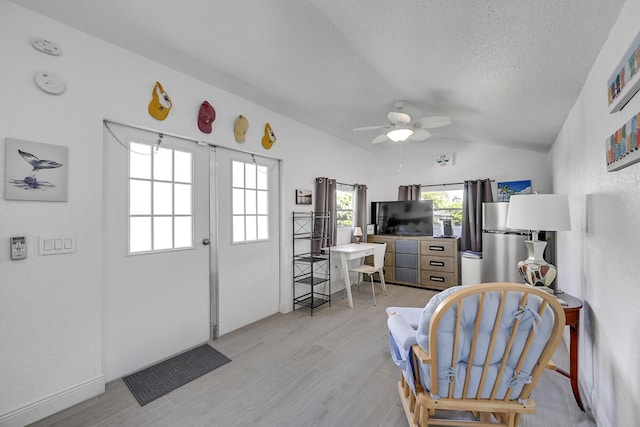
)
(539, 212)
(398, 135)
(357, 231)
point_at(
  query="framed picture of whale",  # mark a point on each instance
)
(36, 171)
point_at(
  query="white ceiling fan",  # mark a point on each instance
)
(402, 127)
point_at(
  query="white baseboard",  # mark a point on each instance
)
(598, 413)
(53, 403)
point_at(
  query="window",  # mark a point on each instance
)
(250, 201)
(447, 204)
(160, 199)
(344, 206)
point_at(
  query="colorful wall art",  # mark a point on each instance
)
(509, 188)
(623, 147)
(625, 80)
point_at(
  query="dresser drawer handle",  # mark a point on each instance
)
(436, 248)
(436, 279)
(436, 263)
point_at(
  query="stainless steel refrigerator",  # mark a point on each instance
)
(502, 247)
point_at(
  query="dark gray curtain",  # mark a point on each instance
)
(474, 194)
(360, 211)
(409, 192)
(325, 231)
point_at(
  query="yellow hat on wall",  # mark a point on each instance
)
(269, 137)
(160, 104)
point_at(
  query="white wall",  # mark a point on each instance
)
(414, 164)
(597, 259)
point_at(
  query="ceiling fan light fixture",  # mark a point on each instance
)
(399, 135)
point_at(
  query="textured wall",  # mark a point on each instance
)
(597, 258)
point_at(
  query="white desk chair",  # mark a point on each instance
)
(378, 267)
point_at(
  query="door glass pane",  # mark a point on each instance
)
(238, 174)
(263, 227)
(139, 160)
(251, 228)
(167, 203)
(182, 199)
(250, 197)
(182, 232)
(182, 166)
(250, 202)
(162, 233)
(139, 197)
(163, 164)
(139, 234)
(250, 175)
(262, 178)
(263, 203)
(162, 198)
(238, 228)
(238, 201)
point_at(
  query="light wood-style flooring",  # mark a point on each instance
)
(332, 369)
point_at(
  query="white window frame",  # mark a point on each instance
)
(437, 224)
(345, 188)
(151, 214)
(261, 218)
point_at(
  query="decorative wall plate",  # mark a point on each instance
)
(50, 83)
(46, 46)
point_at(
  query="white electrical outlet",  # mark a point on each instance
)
(18, 248)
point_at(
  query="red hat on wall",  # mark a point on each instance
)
(206, 116)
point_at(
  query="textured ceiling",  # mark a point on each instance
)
(506, 71)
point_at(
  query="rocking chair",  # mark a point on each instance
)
(478, 348)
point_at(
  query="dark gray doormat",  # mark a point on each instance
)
(158, 380)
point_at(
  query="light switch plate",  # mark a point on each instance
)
(55, 245)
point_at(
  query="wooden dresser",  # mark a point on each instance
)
(426, 262)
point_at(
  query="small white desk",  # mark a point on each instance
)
(347, 253)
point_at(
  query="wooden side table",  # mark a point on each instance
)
(572, 319)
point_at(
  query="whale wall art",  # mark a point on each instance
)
(36, 171)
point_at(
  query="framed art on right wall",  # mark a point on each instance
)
(509, 188)
(625, 80)
(623, 147)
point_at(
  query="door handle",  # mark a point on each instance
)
(206, 241)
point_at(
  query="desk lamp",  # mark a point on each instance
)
(358, 234)
(538, 212)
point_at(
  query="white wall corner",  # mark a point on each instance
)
(53, 403)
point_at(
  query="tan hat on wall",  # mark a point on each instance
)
(240, 128)
(160, 104)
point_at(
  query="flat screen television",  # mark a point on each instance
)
(409, 218)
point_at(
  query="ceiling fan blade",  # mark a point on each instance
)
(396, 117)
(370, 128)
(420, 134)
(380, 138)
(434, 122)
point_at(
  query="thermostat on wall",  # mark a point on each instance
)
(46, 46)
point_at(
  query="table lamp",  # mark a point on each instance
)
(538, 212)
(358, 234)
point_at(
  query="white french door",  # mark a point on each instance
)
(156, 293)
(248, 266)
(158, 303)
